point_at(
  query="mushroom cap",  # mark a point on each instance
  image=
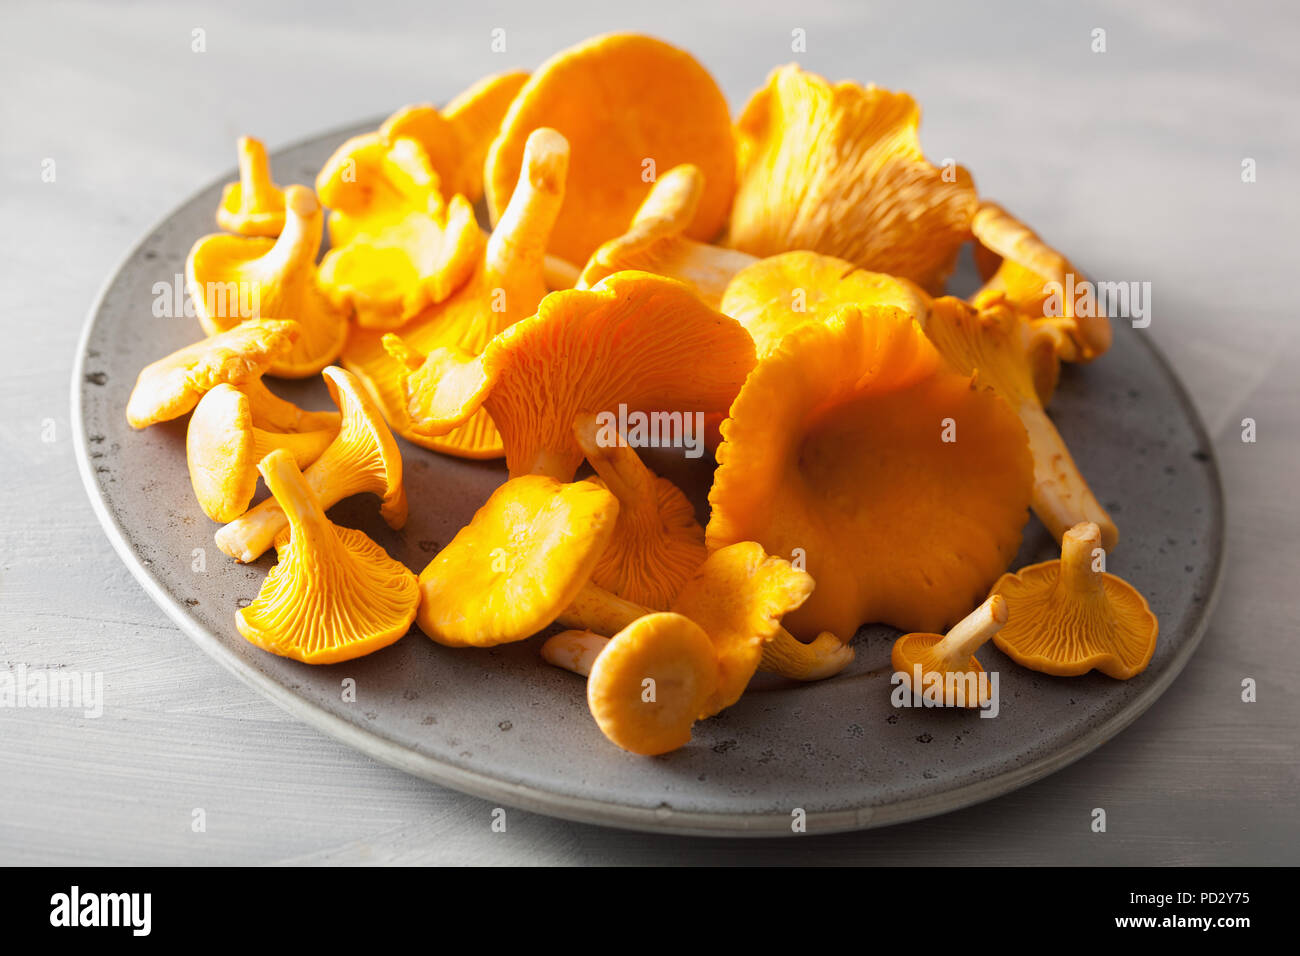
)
(333, 594)
(171, 386)
(838, 169)
(782, 292)
(619, 99)
(1068, 619)
(657, 542)
(738, 596)
(509, 280)
(457, 138)
(650, 719)
(220, 447)
(635, 339)
(397, 264)
(228, 276)
(835, 446)
(223, 446)
(253, 206)
(1018, 265)
(364, 457)
(520, 561)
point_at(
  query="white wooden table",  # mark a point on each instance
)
(1130, 160)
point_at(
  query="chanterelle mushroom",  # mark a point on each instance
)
(508, 281)
(657, 542)
(904, 484)
(455, 139)
(275, 278)
(946, 663)
(839, 170)
(651, 682)
(1068, 617)
(1018, 266)
(333, 594)
(223, 445)
(629, 106)
(1006, 352)
(394, 266)
(364, 457)
(636, 340)
(526, 554)
(782, 292)
(171, 386)
(739, 594)
(657, 241)
(254, 206)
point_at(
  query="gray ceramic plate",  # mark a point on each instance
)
(503, 725)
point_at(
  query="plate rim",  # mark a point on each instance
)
(662, 819)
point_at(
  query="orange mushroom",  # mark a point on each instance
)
(1020, 267)
(1008, 354)
(651, 682)
(416, 254)
(839, 170)
(739, 594)
(945, 666)
(171, 386)
(782, 292)
(635, 340)
(333, 594)
(657, 542)
(223, 445)
(457, 138)
(254, 206)
(1069, 616)
(524, 556)
(362, 458)
(657, 241)
(508, 282)
(275, 278)
(629, 105)
(904, 484)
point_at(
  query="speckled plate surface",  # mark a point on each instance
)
(501, 724)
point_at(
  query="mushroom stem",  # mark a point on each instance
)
(822, 658)
(971, 633)
(574, 651)
(560, 273)
(595, 609)
(1079, 572)
(283, 415)
(256, 190)
(520, 237)
(1061, 496)
(305, 447)
(672, 202)
(296, 497)
(295, 250)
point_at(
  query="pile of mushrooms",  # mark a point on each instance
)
(879, 444)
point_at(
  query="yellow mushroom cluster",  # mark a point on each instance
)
(780, 274)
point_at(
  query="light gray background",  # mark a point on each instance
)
(1128, 160)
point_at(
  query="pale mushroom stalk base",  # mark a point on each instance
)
(599, 611)
(1061, 497)
(971, 633)
(256, 191)
(1079, 572)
